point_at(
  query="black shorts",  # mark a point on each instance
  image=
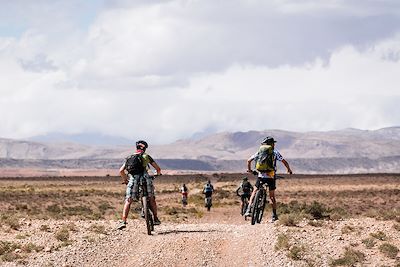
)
(271, 182)
(244, 196)
(208, 194)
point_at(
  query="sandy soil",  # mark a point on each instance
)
(220, 238)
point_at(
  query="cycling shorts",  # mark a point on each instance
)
(271, 182)
(132, 188)
(245, 195)
(208, 194)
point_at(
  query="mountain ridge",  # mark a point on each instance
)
(226, 150)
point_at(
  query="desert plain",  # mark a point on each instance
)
(324, 220)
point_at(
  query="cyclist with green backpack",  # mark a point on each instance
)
(265, 161)
(135, 167)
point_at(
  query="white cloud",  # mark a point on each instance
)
(168, 69)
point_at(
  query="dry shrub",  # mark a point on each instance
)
(289, 219)
(62, 234)
(315, 223)
(379, 235)
(389, 250)
(369, 242)
(7, 251)
(349, 258)
(347, 229)
(97, 228)
(282, 242)
(28, 248)
(296, 252)
(396, 226)
(11, 221)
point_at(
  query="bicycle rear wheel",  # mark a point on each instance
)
(256, 210)
(261, 207)
(147, 215)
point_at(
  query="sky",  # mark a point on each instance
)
(168, 70)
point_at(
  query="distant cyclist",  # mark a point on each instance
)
(268, 175)
(135, 167)
(246, 188)
(208, 190)
(184, 192)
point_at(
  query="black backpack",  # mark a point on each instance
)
(134, 164)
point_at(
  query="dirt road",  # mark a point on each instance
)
(204, 244)
(220, 238)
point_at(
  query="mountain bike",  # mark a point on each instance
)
(245, 204)
(208, 202)
(258, 205)
(148, 215)
(184, 199)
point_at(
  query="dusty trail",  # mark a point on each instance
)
(199, 243)
(220, 238)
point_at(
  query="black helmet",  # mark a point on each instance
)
(143, 143)
(245, 178)
(269, 140)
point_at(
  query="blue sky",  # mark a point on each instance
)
(165, 70)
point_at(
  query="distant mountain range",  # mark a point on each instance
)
(343, 151)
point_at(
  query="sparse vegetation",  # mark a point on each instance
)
(349, 258)
(296, 252)
(98, 229)
(347, 229)
(379, 235)
(369, 242)
(7, 250)
(62, 234)
(282, 242)
(389, 250)
(289, 219)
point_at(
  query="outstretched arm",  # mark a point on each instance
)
(156, 167)
(287, 166)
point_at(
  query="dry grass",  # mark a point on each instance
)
(92, 198)
(389, 250)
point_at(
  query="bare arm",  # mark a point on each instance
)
(249, 165)
(287, 166)
(156, 167)
(123, 175)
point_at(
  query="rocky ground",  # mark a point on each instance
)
(217, 239)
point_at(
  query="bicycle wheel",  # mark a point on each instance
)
(244, 206)
(261, 207)
(256, 210)
(147, 214)
(244, 209)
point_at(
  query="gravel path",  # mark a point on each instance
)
(202, 244)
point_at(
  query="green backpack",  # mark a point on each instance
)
(265, 158)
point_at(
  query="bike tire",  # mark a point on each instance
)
(146, 214)
(254, 215)
(261, 207)
(245, 206)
